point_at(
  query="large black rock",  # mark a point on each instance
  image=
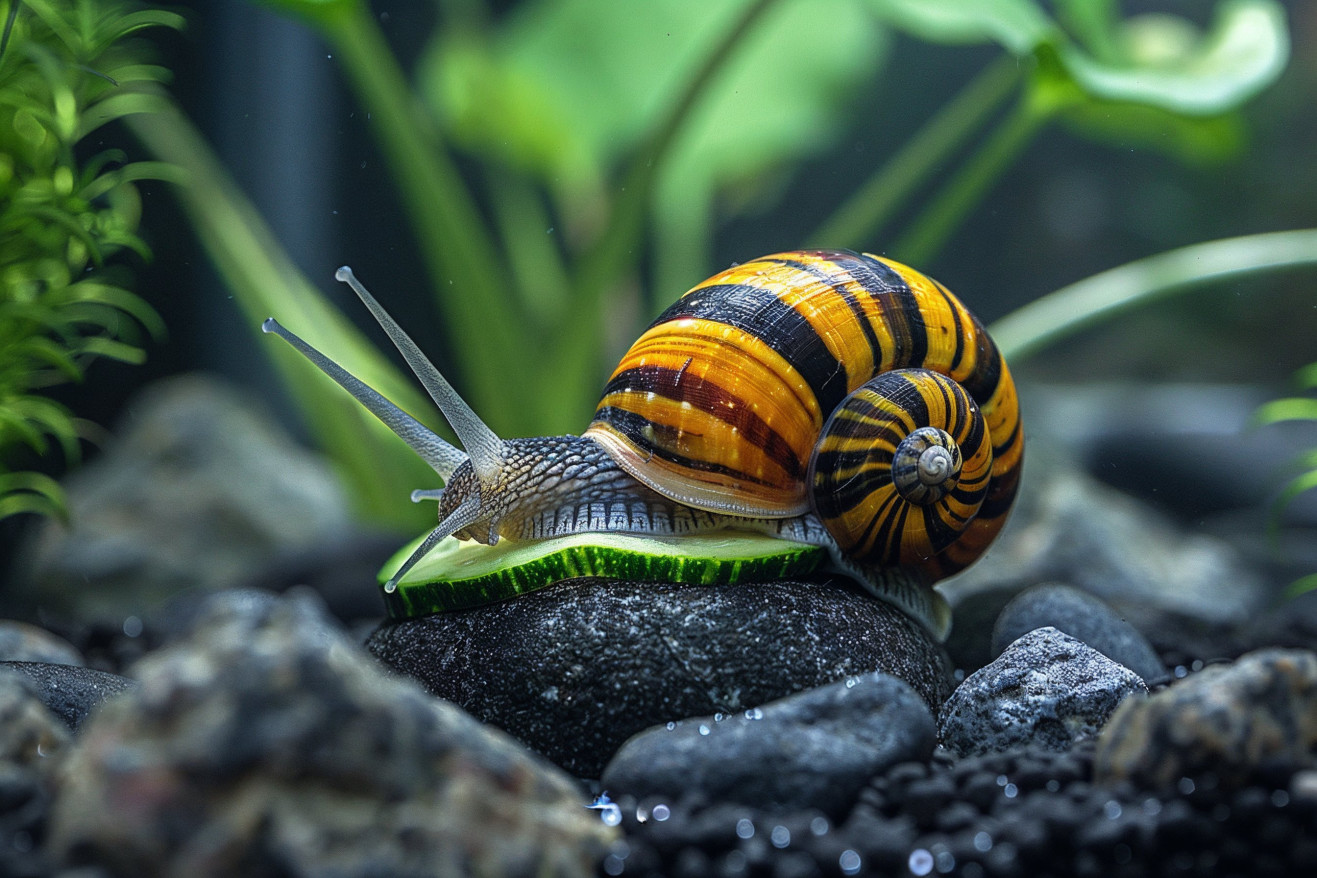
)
(576, 669)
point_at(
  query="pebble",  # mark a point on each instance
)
(1230, 723)
(33, 746)
(576, 669)
(1085, 618)
(813, 749)
(1046, 688)
(70, 692)
(267, 742)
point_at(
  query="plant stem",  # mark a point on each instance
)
(617, 247)
(871, 207)
(1071, 308)
(958, 196)
(463, 263)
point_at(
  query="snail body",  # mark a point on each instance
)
(828, 397)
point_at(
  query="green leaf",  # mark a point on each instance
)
(1301, 585)
(1020, 26)
(1166, 63)
(1294, 409)
(31, 492)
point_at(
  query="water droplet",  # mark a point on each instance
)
(132, 627)
(850, 862)
(754, 713)
(1180, 672)
(661, 812)
(671, 725)
(780, 836)
(390, 587)
(718, 717)
(982, 842)
(704, 730)
(1010, 791)
(819, 826)
(1002, 780)
(745, 828)
(1112, 809)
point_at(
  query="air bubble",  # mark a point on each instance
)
(661, 813)
(745, 828)
(819, 826)
(849, 861)
(704, 730)
(780, 836)
(920, 862)
(1112, 809)
(982, 842)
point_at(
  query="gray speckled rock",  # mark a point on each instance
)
(576, 669)
(197, 492)
(33, 744)
(1235, 722)
(268, 743)
(68, 691)
(814, 749)
(1082, 616)
(1046, 689)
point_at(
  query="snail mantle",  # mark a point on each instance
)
(576, 669)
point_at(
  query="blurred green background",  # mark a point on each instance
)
(534, 180)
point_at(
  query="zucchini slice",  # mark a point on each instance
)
(460, 574)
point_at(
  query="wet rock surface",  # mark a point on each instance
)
(33, 744)
(1046, 689)
(69, 692)
(813, 749)
(302, 757)
(576, 669)
(1082, 616)
(1254, 718)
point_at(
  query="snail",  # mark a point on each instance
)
(826, 397)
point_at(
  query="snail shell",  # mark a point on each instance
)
(817, 381)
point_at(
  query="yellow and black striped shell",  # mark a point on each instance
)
(840, 383)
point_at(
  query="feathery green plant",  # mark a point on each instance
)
(67, 68)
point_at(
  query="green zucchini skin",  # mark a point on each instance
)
(705, 560)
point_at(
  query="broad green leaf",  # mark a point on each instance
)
(1168, 64)
(1018, 25)
(1198, 139)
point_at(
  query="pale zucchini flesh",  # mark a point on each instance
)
(461, 574)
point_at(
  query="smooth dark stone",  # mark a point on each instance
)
(576, 669)
(70, 692)
(1046, 689)
(814, 749)
(1082, 616)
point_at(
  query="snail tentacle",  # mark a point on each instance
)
(466, 514)
(482, 444)
(441, 456)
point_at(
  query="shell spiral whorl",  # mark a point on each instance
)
(831, 382)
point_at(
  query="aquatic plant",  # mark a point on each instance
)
(67, 219)
(565, 165)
